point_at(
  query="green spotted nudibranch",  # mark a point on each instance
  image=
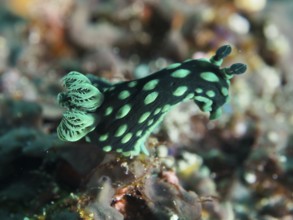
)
(119, 117)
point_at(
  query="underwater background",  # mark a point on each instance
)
(239, 166)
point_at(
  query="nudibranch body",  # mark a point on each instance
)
(119, 117)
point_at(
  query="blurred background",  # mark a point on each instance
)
(238, 167)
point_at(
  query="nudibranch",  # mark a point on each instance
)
(119, 117)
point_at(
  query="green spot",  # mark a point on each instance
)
(211, 93)
(189, 96)
(119, 150)
(210, 77)
(108, 110)
(180, 91)
(203, 99)
(123, 111)
(107, 148)
(173, 66)
(124, 94)
(150, 122)
(126, 138)
(87, 139)
(121, 130)
(103, 137)
(151, 84)
(224, 91)
(157, 111)
(181, 73)
(144, 117)
(132, 84)
(166, 108)
(126, 154)
(198, 90)
(150, 98)
(139, 133)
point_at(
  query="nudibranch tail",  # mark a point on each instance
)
(81, 99)
(120, 117)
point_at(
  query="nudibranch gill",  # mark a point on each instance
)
(119, 117)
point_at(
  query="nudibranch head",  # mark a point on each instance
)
(213, 92)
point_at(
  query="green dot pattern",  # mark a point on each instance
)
(126, 138)
(139, 133)
(209, 76)
(107, 148)
(166, 108)
(144, 117)
(151, 98)
(132, 84)
(198, 90)
(189, 96)
(224, 91)
(203, 99)
(108, 110)
(211, 93)
(124, 94)
(121, 130)
(180, 91)
(173, 66)
(150, 122)
(157, 111)
(123, 111)
(151, 85)
(103, 137)
(181, 73)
